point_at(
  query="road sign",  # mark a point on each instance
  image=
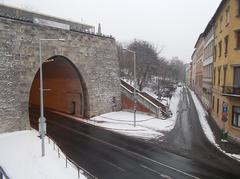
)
(225, 109)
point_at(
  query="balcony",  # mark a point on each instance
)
(231, 91)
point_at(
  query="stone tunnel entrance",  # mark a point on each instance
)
(64, 90)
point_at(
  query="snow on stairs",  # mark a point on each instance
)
(145, 102)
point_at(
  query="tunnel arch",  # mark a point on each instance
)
(64, 89)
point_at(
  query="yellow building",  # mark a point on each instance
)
(226, 74)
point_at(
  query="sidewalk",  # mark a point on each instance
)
(213, 133)
(225, 145)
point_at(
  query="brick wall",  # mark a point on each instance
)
(127, 103)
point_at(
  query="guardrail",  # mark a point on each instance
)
(69, 161)
(3, 174)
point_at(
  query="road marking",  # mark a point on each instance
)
(116, 166)
(156, 172)
(128, 151)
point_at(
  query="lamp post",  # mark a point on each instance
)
(135, 85)
(42, 120)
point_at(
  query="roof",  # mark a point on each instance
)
(220, 7)
(198, 40)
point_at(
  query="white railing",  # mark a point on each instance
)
(69, 161)
(3, 174)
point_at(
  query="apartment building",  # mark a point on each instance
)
(226, 68)
(198, 61)
(194, 63)
(208, 65)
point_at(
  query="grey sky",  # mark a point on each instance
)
(172, 24)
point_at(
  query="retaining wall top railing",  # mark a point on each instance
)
(3, 174)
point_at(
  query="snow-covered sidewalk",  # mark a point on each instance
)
(20, 157)
(147, 127)
(207, 129)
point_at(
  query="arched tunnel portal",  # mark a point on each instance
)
(64, 90)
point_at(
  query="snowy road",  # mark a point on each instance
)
(110, 155)
(188, 139)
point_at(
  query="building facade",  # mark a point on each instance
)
(208, 65)
(226, 79)
(199, 65)
(193, 75)
(188, 74)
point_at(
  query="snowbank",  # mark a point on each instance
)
(206, 128)
(20, 157)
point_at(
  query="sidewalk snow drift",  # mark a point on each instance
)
(20, 157)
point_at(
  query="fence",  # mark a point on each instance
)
(69, 162)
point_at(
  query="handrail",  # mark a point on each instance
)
(3, 174)
(71, 162)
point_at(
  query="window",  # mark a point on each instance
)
(219, 73)
(226, 45)
(236, 77)
(220, 48)
(220, 24)
(227, 16)
(217, 106)
(213, 100)
(215, 53)
(214, 76)
(224, 75)
(238, 39)
(236, 116)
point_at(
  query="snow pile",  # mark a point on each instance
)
(202, 117)
(206, 128)
(147, 127)
(174, 101)
(20, 157)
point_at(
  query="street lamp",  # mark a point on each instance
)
(135, 84)
(42, 120)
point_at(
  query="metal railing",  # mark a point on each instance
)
(70, 162)
(231, 90)
(3, 174)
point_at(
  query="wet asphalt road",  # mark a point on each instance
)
(184, 153)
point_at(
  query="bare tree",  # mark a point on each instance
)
(177, 69)
(125, 62)
(146, 57)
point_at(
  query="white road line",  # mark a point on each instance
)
(131, 152)
(112, 164)
(156, 172)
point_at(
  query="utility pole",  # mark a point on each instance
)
(135, 85)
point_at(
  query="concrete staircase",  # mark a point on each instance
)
(145, 102)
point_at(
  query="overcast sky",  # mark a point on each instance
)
(172, 24)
